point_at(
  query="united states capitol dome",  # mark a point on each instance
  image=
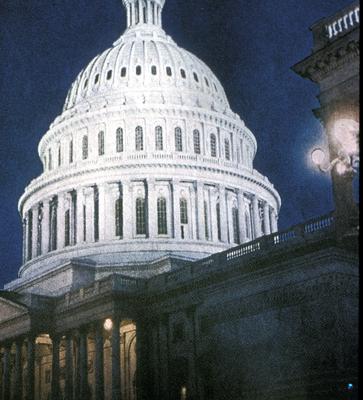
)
(146, 168)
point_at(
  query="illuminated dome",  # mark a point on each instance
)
(147, 163)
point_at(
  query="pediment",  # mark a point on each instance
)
(10, 310)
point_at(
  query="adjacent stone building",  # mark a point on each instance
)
(153, 266)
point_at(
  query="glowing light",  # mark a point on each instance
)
(346, 134)
(350, 386)
(318, 156)
(341, 168)
(108, 324)
(183, 393)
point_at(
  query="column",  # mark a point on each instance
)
(256, 217)
(149, 16)
(55, 367)
(128, 209)
(83, 367)
(60, 221)
(89, 202)
(77, 373)
(35, 231)
(200, 210)
(223, 213)
(116, 359)
(141, 16)
(31, 367)
(176, 208)
(103, 223)
(241, 217)
(159, 16)
(266, 219)
(133, 16)
(213, 214)
(113, 193)
(99, 363)
(69, 368)
(154, 15)
(152, 214)
(128, 15)
(274, 219)
(79, 217)
(6, 372)
(45, 227)
(18, 383)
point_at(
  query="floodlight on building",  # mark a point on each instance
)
(108, 324)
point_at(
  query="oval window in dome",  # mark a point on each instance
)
(206, 81)
(168, 71)
(97, 77)
(109, 74)
(85, 84)
(183, 74)
(138, 70)
(153, 70)
(195, 77)
(215, 87)
(123, 72)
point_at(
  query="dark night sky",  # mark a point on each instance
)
(249, 44)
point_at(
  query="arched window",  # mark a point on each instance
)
(101, 143)
(153, 70)
(162, 217)
(123, 72)
(39, 229)
(227, 149)
(119, 217)
(71, 151)
(182, 73)
(140, 216)
(178, 139)
(50, 162)
(67, 228)
(206, 221)
(138, 70)
(139, 139)
(196, 141)
(119, 140)
(168, 71)
(218, 211)
(59, 156)
(213, 145)
(235, 225)
(53, 224)
(183, 211)
(159, 144)
(85, 147)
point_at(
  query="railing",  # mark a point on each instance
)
(343, 23)
(301, 234)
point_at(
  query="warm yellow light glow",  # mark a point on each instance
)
(318, 156)
(183, 393)
(346, 134)
(108, 324)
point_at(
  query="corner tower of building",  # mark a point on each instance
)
(147, 167)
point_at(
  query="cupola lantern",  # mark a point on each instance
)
(141, 12)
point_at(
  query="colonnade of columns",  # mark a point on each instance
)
(143, 12)
(76, 365)
(89, 214)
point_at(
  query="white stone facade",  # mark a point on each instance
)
(147, 160)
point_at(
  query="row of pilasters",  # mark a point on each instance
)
(76, 386)
(140, 12)
(80, 205)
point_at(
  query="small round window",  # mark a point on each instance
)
(183, 74)
(109, 75)
(195, 77)
(138, 70)
(123, 72)
(153, 70)
(168, 71)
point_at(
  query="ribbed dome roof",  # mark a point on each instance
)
(145, 65)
